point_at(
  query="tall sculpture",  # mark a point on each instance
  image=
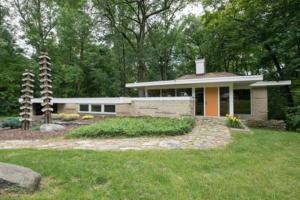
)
(46, 87)
(27, 95)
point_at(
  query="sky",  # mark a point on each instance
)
(195, 9)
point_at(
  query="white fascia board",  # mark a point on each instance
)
(271, 83)
(87, 100)
(231, 79)
(162, 98)
(121, 100)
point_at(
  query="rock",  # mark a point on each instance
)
(13, 175)
(271, 124)
(51, 128)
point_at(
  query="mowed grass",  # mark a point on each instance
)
(135, 126)
(263, 165)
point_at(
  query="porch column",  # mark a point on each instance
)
(231, 105)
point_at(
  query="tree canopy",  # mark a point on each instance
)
(97, 46)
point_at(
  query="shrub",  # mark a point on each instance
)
(135, 127)
(233, 122)
(87, 117)
(56, 116)
(293, 119)
(12, 122)
(65, 117)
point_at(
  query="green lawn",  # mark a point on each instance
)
(135, 126)
(263, 165)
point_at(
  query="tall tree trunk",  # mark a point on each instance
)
(123, 72)
(280, 73)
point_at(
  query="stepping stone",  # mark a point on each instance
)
(170, 144)
(13, 175)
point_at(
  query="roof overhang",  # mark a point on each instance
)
(119, 100)
(270, 83)
(230, 79)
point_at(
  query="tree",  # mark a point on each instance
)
(134, 20)
(12, 64)
(38, 19)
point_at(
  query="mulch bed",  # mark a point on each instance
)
(18, 134)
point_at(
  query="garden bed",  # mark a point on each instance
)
(132, 127)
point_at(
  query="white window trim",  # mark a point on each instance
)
(79, 111)
(103, 105)
(93, 112)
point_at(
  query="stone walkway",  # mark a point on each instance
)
(208, 133)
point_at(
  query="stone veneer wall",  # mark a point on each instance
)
(67, 108)
(157, 108)
(260, 103)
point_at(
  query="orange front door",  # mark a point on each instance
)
(211, 102)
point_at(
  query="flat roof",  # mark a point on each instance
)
(271, 83)
(227, 79)
(104, 100)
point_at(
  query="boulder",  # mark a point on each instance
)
(13, 175)
(51, 128)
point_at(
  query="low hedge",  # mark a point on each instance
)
(10, 122)
(131, 127)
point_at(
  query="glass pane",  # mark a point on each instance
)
(199, 101)
(184, 92)
(224, 101)
(110, 108)
(168, 92)
(96, 108)
(153, 93)
(84, 107)
(242, 103)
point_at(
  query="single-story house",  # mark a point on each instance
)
(213, 94)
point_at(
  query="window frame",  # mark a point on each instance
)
(185, 88)
(94, 112)
(153, 89)
(80, 111)
(108, 105)
(91, 105)
(250, 91)
(162, 92)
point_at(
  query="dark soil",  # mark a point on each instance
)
(18, 134)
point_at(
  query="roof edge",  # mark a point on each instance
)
(271, 83)
(192, 81)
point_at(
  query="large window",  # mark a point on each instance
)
(96, 107)
(153, 93)
(168, 92)
(199, 101)
(242, 101)
(224, 101)
(184, 92)
(84, 107)
(109, 108)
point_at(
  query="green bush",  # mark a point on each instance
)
(293, 119)
(12, 122)
(131, 127)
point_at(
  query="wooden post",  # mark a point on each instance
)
(46, 87)
(27, 95)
